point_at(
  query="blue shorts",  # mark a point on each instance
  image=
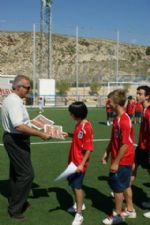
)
(120, 180)
(109, 115)
(76, 180)
(141, 158)
(138, 114)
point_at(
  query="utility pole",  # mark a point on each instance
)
(117, 57)
(34, 63)
(77, 63)
(46, 39)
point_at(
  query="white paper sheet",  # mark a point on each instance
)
(71, 168)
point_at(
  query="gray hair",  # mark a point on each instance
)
(18, 81)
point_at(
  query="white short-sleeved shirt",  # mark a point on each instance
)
(14, 113)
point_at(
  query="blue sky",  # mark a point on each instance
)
(95, 18)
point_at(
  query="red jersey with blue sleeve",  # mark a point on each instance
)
(122, 133)
(82, 141)
(144, 134)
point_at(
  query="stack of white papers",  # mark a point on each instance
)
(55, 131)
(71, 168)
(40, 121)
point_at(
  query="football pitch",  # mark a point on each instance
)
(50, 199)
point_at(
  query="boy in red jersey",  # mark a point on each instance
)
(121, 148)
(109, 112)
(141, 153)
(138, 112)
(130, 108)
(143, 148)
(80, 151)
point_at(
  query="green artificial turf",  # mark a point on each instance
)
(50, 199)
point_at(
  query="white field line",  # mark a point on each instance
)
(61, 142)
(65, 142)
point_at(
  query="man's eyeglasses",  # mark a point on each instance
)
(25, 87)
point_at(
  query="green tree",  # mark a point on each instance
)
(95, 87)
(62, 86)
(148, 50)
(126, 86)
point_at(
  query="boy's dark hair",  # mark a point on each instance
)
(145, 88)
(78, 109)
(118, 96)
(130, 97)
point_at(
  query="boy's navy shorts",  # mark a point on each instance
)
(138, 114)
(76, 180)
(120, 180)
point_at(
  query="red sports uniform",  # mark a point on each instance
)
(144, 134)
(123, 133)
(82, 141)
(138, 107)
(130, 109)
(108, 108)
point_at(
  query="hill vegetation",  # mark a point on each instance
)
(97, 57)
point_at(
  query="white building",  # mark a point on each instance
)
(6, 84)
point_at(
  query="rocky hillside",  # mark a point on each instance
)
(96, 57)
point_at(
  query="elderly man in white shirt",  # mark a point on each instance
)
(16, 138)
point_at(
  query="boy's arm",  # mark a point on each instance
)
(86, 157)
(106, 154)
(149, 146)
(121, 153)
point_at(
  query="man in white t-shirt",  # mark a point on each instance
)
(16, 138)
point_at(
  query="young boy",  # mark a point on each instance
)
(81, 148)
(109, 112)
(121, 148)
(143, 148)
(138, 112)
(141, 153)
(130, 108)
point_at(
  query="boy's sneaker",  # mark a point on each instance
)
(128, 214)
(114, 219)
(147, 214)
(78, 219)
(73, 209)
(146, 205)
(112, 194)
(108, 124)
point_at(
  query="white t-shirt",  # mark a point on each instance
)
(13, 113)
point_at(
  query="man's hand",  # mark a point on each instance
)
(45, 136)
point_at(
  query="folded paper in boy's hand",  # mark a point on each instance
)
(40, 121)
(54, 130)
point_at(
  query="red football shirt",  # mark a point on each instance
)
(138, 107)
(108, 108)
(82, 141)
(144, 130)
(122, 133)
(130, 109)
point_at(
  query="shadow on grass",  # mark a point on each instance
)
(99, 200)
(146, 184)
(64, 199)
(139, 196)
(102, 123)
(39, 192)
(103, 178)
